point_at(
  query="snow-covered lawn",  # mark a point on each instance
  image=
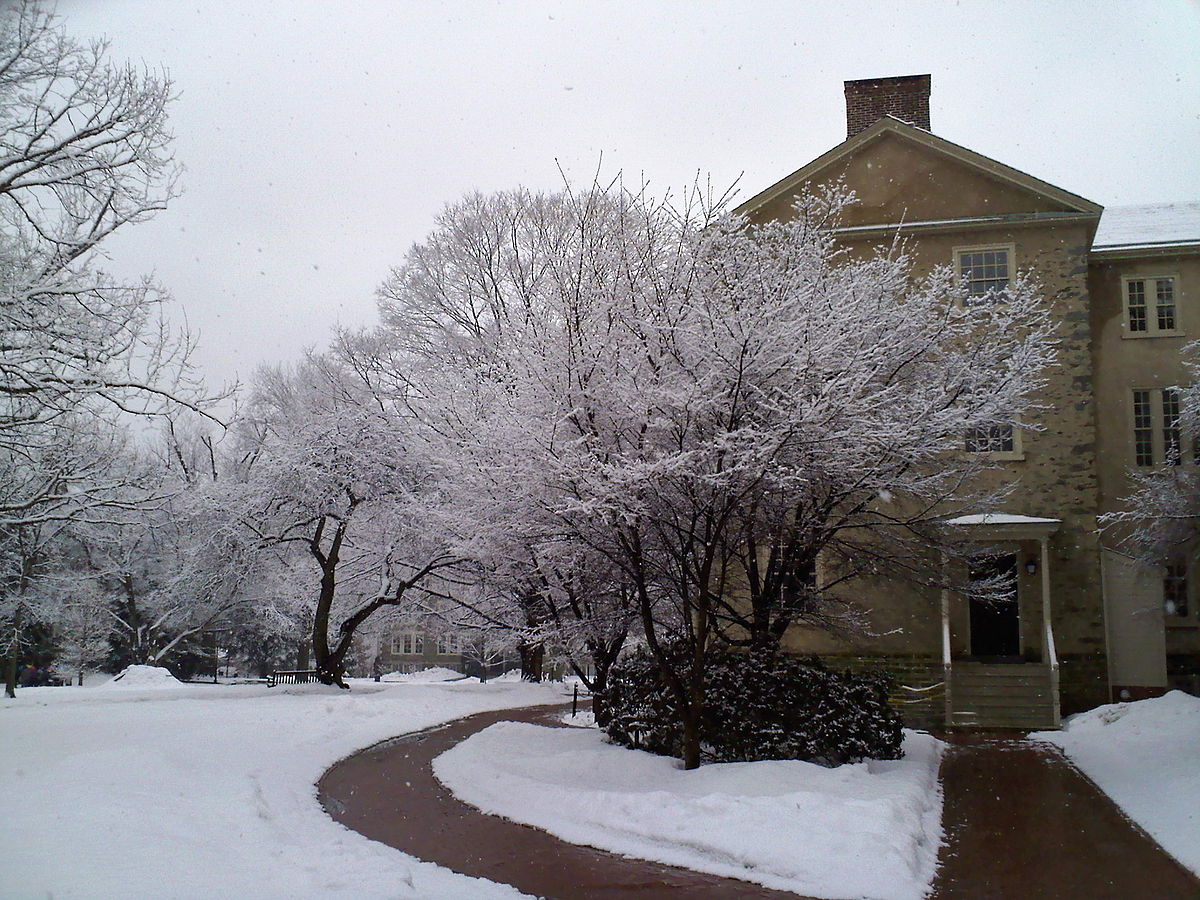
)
(1146, 757)
(865, 830)
(168, 790)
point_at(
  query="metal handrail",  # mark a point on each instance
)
(1051, 653)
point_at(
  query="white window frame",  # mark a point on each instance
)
(1150, 283)
(1173, 617)
(408, 643)
(1157, 429)
(1016, 453)
(957, 254)
(448, 645)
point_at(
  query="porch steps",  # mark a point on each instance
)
(1017, 696)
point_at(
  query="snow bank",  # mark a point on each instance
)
(143, 678)
(209, 790)
(427, 676)
(584, 718)
(865, 830)
(1146, 757)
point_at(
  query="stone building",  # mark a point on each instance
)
(1086, 625)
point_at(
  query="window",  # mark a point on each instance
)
(1175, 590)
(1170, 410)
(993, 439)
(408, 644)
(1157, 438)
(1143, 430)
(984, 270)
(1150, 306)
(447, 643)
(1001, 441)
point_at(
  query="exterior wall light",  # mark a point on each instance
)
(1031, 566)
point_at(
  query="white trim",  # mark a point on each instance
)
(1152, 329)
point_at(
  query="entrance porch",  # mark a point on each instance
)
(999, 661)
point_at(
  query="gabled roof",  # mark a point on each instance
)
(888, 125)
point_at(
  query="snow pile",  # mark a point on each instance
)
(211, 789)
(426, 676)
(866, 830)
(144, 677)
(1146, 757)
(583, 718)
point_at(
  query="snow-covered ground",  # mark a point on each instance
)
(152, 788)
(865, 830)
(1146, 757)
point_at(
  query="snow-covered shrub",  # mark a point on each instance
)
(759, 705)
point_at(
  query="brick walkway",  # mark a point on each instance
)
(389, 793)
(1020, 823)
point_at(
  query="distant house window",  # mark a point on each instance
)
(1175, 590)
(984, 270)
(1157, 437)
(1150, 306)
(447, 644)
(408, 644)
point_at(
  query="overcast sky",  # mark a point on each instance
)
(320, 139)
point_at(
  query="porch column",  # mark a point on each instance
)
(946, 641)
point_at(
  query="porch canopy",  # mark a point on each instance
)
(988, 527)
(1006, 527)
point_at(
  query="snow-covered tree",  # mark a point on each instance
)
(737, 418)
(84, 151)
(82, 626)
(335, 474)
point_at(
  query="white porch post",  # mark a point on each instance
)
(946, 642)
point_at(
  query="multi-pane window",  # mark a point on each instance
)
(992, 439)
(1143, 430)
(985, 270)
(408, 644)
(1164, 295)
(1175, 590)
(1157, 436)
(447, 643)
(1170, 413)
(1141, 318)
(1135, 292)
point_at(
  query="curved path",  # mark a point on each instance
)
(1020, 822)
(389, 793)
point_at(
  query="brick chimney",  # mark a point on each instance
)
(867, 101)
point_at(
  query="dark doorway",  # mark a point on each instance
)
(995, 622)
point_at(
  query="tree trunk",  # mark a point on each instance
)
(10, 668)
(691, 739)
(10, 673)
(532, 657)
(303, 650)
(329, 665)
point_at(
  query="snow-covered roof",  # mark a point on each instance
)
(1153, 225)
(1001, 519)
